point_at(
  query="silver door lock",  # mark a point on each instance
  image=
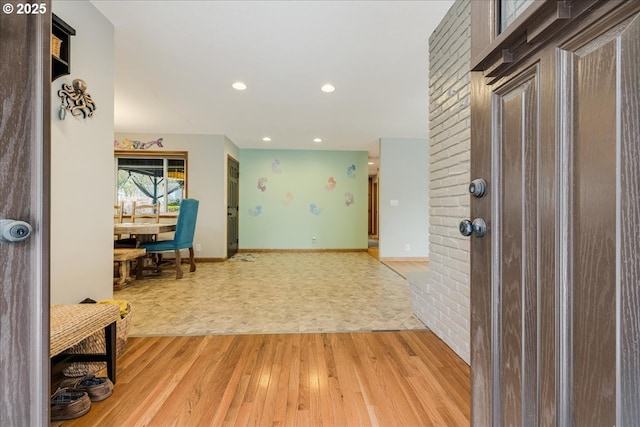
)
(478, 188)
(477, 227)
(14, 231)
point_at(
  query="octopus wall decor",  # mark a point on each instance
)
(76, 100)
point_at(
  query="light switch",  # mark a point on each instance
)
(393, 203)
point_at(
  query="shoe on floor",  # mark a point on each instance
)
(98, 388)
(69, 404)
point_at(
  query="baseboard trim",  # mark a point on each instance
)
(302, 250)
(405, 259)
(210, 259)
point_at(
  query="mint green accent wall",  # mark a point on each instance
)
(289, 196)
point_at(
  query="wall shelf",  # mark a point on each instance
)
(61, 65)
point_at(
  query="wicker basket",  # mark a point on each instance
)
(96, 344)
(55, 46)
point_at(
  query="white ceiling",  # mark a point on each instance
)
(175, 62)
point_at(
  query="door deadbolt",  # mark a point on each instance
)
(478, 187)
(14, 231)
(477, 227)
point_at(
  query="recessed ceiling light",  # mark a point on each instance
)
(266, 139)
(317, 140)
(328, 88)
(239, 86)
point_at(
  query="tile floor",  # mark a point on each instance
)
(280, 292)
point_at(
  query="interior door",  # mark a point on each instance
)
(233, 195)
(24, 196)
(555, 294)
(373, 205)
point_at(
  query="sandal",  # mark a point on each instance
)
(98, 388)
(67, 404)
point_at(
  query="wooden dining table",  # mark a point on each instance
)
(143, 228)
(143, 231)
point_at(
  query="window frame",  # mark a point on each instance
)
(155, 154)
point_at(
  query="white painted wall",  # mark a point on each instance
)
(206, 181)
(404, 182)
(82, 165)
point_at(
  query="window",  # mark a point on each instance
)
(510, 10)
(150, 178)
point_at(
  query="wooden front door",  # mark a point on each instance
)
(555, 283)
(233, 195)
(25, 73)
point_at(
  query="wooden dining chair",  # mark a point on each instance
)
(118, 213)
(146, 213)
(119, 241)
(117, 217)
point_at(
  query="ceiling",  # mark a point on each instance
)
(175, 62)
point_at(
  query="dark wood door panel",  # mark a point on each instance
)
(483, 345)
(594, 232)
(628, 390)
(555, 281)
(511, 308)
(516, 167)
(24, 195)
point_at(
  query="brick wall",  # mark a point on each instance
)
(440, 297)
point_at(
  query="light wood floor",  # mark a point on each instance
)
(407, 378)
(400, 267)
(404, 267)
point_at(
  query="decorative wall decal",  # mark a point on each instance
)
(348, 199)
(255, 211)
(315, 209)
(312, 189)
(331, 185)
(275, 166)
(351, 171)
(128, 144)
(288, 198)
(261, 182)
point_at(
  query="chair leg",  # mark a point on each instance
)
(192, 261)
(178, 262)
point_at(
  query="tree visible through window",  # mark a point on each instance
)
(151, 178)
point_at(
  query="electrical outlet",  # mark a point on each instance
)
(407, 247)
(198, 247)
(313, 239)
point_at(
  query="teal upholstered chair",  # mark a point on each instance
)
(183, 237)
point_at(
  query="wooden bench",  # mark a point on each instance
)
(124, 256)
(72, 323)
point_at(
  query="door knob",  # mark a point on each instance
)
(477, 227)
(478, 187)
(14, 231)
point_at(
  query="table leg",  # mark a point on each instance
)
(124, 273)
